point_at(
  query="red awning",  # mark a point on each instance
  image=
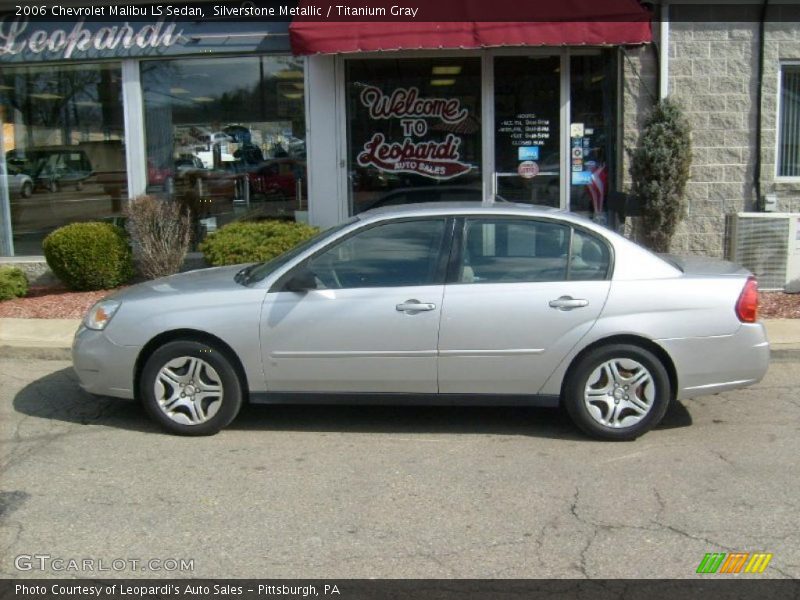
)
(561, 23)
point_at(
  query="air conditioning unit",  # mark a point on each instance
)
(768, 244)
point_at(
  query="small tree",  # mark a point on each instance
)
(660, 170)
(160, 231)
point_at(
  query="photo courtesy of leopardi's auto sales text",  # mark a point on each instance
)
(376, 299)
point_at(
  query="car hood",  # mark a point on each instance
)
(202, 280)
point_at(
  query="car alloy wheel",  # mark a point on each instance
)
(27, 189)
(619, 393)
(191, 387)
(188, 390)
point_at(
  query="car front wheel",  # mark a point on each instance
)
(191, 388)
(617, 392)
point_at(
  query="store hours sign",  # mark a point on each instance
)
(414, 154)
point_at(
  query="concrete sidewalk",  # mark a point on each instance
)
(52, 338)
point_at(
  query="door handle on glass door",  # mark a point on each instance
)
(414, 306)
(568, 303)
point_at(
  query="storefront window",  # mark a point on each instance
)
(63, 140)
(226, 136)
(592, 133)
(414, 131)
(527, 155)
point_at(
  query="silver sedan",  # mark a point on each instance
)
(447, 304)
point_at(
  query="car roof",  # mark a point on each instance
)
(460, 207)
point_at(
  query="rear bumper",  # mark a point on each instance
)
(103, 368)
(710, 365)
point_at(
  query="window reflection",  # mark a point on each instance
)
(63, 138)
(226, 136)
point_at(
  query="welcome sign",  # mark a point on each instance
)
(434, 159)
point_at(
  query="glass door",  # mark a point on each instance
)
(593, 107)
(527, 101)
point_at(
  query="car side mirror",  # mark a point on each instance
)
(302, 281)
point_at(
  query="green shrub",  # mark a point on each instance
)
(13, 283)
(89, 256)
(660, 170)
(253, 242)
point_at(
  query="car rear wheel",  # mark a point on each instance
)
(617, 392)
(27, 189)
(191, 388)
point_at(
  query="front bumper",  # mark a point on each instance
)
(710, 365)
(103, 367)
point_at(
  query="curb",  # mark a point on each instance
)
(45, 353)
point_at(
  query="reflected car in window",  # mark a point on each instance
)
(278, 179)
(19, 184)
(444, 303)
(53, 168)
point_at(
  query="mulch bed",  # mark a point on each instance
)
(51, 303)
(60, 303)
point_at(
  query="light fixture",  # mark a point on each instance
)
(293, 95)
(87, 103)
(46, 96)
(441, 82)
(202, 99)
(178, 90)
(446, 70)
(299, 86)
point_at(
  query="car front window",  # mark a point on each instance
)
(395, 254)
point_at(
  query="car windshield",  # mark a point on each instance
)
(259, 271)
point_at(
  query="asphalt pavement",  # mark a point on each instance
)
(392, 492)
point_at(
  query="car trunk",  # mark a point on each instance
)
(702, 266)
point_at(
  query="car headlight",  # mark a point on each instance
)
(100, 314)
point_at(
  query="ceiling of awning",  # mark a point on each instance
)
(562, 23)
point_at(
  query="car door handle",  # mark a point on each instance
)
(414, 306)
(568, 303)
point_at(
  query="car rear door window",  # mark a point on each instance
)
(589, 258)
(514, 250)
(403, 253)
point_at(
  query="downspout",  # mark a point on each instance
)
(663, 52)
(759, 95)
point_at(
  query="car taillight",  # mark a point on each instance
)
(747, 305)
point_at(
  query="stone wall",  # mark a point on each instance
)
(782, 43)
(713, 74)
(639, 93)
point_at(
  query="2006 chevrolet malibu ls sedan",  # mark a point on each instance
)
(449, 304)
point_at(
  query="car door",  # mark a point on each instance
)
(521, 292)
(372, 323)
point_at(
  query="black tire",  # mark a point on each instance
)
(79, 186)
(27, 190)
(578, 379)
(52, 186)
(231, 385)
